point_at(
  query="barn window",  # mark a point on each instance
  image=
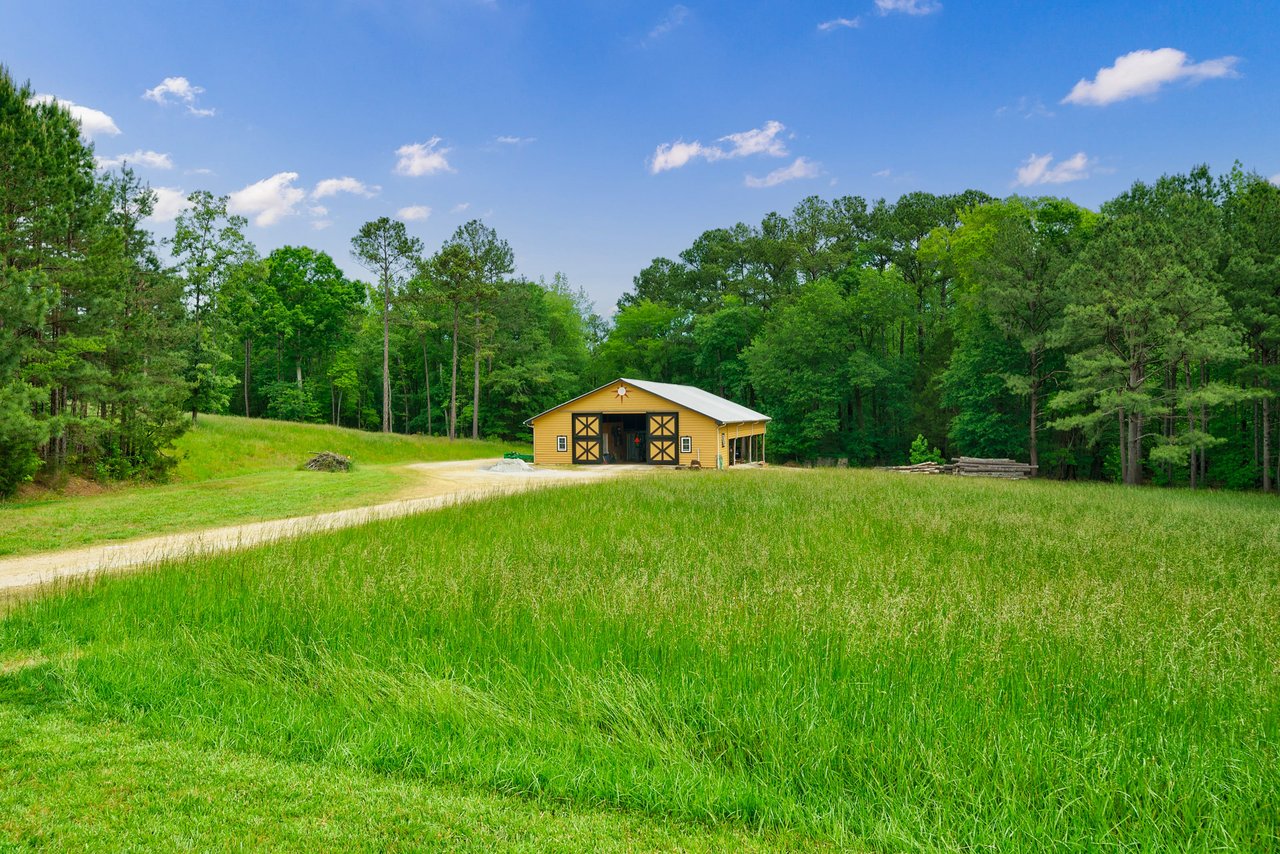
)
(686, 444)
(562, 443)
(722, 440)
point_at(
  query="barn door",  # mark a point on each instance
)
(586, 438)
(664, 438)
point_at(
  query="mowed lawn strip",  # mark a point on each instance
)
(133, 512)
(70, 786)
(233, 470)
(855, 658)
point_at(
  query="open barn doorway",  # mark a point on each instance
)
(625, 438)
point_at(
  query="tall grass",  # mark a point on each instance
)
(227, 446)
(857, 657)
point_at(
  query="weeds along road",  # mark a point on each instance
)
(442, 484)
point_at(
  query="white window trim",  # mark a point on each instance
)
(686, 444)
(562, 444)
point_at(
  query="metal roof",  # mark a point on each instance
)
(711, 405)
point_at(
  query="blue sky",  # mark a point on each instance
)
(596, 135)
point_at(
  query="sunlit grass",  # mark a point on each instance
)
(226, 446)
(130, 513)
(233, 470)
(71, 786)
(857, 658)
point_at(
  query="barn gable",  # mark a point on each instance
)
(637, 421)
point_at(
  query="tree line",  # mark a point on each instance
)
(1139, 343)
(112, 343)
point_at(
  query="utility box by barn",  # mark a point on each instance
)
(642, 422)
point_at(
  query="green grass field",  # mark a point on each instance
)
(851, 659)
(233, 470)
(222, 446)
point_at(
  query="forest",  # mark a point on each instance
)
(1139, 343)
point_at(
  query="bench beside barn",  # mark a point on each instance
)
(641, 422)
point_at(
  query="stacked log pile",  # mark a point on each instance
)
(977, 467)
(923, 468)
(971, 467)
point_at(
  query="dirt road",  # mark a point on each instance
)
(441, 484)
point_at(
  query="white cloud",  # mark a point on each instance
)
(1027, 108)
(169, 202)
(673, 155)
(1040, 169)
(422, 158)
(676, 16)
(318, 210)
(149, 159)
(840, 23)
(414, 212)
(460, 207)
(1144, 72)
(883, 173)
(201, 171)
(321, 224)
(908, 7)
(515, 140)
(268, 200)
(759, 141)
(333, 186)
(800, 168)
(92, 122)
(174, 90)
(763, 140)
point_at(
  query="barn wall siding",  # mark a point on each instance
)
(702, 430)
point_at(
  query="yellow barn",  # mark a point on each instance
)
(642, 422)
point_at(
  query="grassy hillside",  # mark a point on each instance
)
(221, 446)
(851, 658)
(233, 470)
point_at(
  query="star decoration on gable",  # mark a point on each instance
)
(622, 392)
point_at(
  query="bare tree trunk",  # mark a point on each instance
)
(475, 387)
(1135, 450)
(386, 354)
(1204, 422)
(1266, 444)
(1170, 418)
(1191, 425)
(404, 385)
(248, 360)
(426, 375)
(453, 382)
(297, 366)
(1132, 475)
(1124, 457)
(1256, 358)
(1035, 444)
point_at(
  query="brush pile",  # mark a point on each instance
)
(329, 461)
